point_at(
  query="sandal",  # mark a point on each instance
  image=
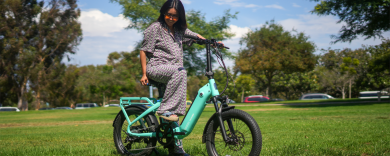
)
(173, 117)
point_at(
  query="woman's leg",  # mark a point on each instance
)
(176, 89)
(174, 149)
(173, 102)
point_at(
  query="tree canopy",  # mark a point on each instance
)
(369, 18)
(271, 50)
(36, 35)
(144, 12)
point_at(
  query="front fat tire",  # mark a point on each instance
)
(214, 136)
(119, 134)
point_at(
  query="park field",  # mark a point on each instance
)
(349, 129)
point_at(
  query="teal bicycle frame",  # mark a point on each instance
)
(189, 121)
(208, 91)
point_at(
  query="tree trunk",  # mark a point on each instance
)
(269, 78)
(25, 104)
(104, 99)
(21, 98)
(38, 98)
(350, 86)
(269, 89)
(286, 95)
(242, 96)
(343, 91)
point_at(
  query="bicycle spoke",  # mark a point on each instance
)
(242, 134)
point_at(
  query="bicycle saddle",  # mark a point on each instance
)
(160, 87)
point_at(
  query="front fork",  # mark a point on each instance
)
(222, 125)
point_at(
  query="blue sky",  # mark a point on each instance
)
(103, 25)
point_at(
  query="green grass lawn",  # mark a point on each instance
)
(357, 100)
(356, 129)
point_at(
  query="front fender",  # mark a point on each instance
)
(212, 118)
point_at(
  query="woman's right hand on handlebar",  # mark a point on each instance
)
(144, 80)
(201, 37)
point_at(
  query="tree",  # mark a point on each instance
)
(271, 50)
(294, 85)
(144, 12)
(348, 67)
(369, 18)
(337, 68)
(35, 35)
(116, 78)
(380, 57)
(379, 65)
(16, 19)
(60, 88)
(244, 85)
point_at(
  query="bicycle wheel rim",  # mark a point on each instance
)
(129, 144)
(244, 144)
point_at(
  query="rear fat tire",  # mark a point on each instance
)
(244, 126)
(121, 124)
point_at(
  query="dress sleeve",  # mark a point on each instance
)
(188, 32)
(150, 39)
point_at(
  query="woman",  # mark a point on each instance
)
(163, 45)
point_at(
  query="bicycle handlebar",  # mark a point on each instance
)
(200, 41)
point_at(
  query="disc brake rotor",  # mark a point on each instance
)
(238, 143)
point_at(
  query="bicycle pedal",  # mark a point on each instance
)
(179, 133)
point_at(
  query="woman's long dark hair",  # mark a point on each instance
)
(181, 24)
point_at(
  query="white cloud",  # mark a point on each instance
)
(312, 24)
(232, 3)
(96, 23)
(274, 6)
(130, 48)
(233, 43)
(103, 34)
(296, 5)
(320, 28)
(236, 3)
(251, 6)
(186, 1)
(239, 31)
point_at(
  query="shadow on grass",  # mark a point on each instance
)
(330, 104)
(320, 101)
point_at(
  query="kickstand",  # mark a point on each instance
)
(155, 151)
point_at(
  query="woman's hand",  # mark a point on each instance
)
(201, 37)
(144, 80)
(220, 42)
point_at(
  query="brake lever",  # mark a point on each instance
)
(190, 43)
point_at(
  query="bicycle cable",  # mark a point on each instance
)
(219, 57)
